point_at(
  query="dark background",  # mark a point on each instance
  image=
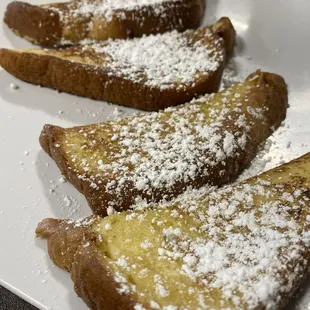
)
(9, 301)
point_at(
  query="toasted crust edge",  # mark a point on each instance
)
(96, 285)
(42, 26)
(89, 81)
(64, 239)
(225, 29)
(74, 249)
(47, 139)
(34, 23)
(95, 83)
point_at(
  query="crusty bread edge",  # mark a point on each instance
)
(74, 249)
(34, 23)
(48, 140)
(225, 29)
(42, 26)
(66, 76)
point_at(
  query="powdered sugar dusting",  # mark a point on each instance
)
(247, 263)
(231, 75)
(108, 8)
(99, 20)
(170, 60)
(239, 247)
(276, 151)
(158, 155)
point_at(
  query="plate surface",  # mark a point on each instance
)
(273, 36)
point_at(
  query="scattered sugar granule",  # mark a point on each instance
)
(160, 289)
(117, 112)
(110, 9)
(14, 86)
(146, 244)
(110, 210)
(107, 226)
(67, 201)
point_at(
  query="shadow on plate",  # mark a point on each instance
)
(16, 41)
(77, 110)
(63, 278)
(64, 200)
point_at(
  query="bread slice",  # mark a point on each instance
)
(148, 73)
(75, 21)
(244, 246)
(155, 156)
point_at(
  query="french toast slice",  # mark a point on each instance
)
(148, 73)
(79, 20)
(244, 246)
(156, 156)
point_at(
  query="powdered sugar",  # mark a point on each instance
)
(274, 152)
(160, 289)
(83, 222)
(151, 153)
(246, 244)
(108, 8)
(237, 260)
(165, 60)
(231, 75)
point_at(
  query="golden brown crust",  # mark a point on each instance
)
(63, 240)
(271, 91)
(225, 29)
(36, 24)
(94, 282)
(98, 83)
(74, 249)
(94, 83)
(276, 93)
(48, 138)
(42, 24)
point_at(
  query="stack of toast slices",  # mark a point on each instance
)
(167, 231)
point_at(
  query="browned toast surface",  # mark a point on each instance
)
(242, 247)
(155, 156)
(149, 73)
(75, 21)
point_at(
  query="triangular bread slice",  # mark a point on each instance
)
(242, 247)
(155, 156)
(76, 21)
(149, 73)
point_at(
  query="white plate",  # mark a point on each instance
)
(273, 35)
